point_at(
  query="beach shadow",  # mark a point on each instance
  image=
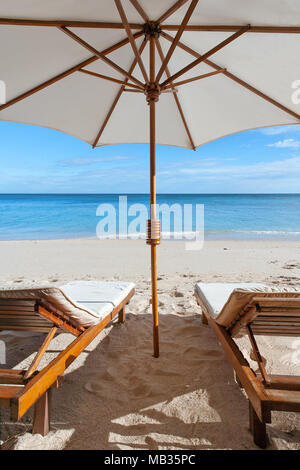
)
(20, 350)
(123, 398)
(19, 346)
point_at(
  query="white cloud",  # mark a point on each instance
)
(279, 169)
(286, 143)
(89, 161)
(280, 129)
(196, 176)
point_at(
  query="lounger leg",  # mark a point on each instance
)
(122, 315)
(41, 420)
(204, 319)
(257, 428)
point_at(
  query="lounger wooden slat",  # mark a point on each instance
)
(269, 329)
(271, 333)
(284, 382)
(276, 302)
(289, 312)
(19, 320)
(17, 303)
(274, 327)
(16, 308)
(13, 376)
(23, 328)
(20, 390)
(262, 318)
(275, 324)
(25, 321)
(7, 393)
(283, 400)
(262, 325)
(19, 314)
(42, 327)
(261, 311)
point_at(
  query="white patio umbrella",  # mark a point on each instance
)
(210, 67)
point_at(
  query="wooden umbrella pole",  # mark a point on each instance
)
(153, 224)
(153, 218)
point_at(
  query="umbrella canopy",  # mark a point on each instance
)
(88, 69)
(78, 103)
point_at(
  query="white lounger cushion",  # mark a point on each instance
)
(85, 303)
(99, 298)
(224, 302)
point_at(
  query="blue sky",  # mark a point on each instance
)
(38, 160)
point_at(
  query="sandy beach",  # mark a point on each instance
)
(116, 395)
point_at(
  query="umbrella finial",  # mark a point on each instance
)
(152, 29)
(152, 92)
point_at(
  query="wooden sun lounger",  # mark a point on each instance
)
(254, 309)
(39, 310)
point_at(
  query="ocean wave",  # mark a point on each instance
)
(164, 235)
(253, 235)
(271, 232)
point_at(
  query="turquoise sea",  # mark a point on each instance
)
(230, 216)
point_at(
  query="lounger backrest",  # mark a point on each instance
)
(20, 314)
(19, 309)
(269, 310)
(77, 304)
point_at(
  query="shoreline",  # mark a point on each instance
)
(267, 236)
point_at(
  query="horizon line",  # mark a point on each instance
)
(147, 194)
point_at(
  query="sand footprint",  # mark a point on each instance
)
(177, 293)
(206, 354)
(165, 373)
(141, 391)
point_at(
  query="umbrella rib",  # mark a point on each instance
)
(138, 26)
(66, 73)
(212, 51)
(68, 23)
(132, 90)
(231, 28)
(111, 79)
(234, 78)
(176, 39)
(193, 79)
(118, 96)
(131, 39)
(100, 55)
(160, 52)
(171, 10)
(142, 12)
